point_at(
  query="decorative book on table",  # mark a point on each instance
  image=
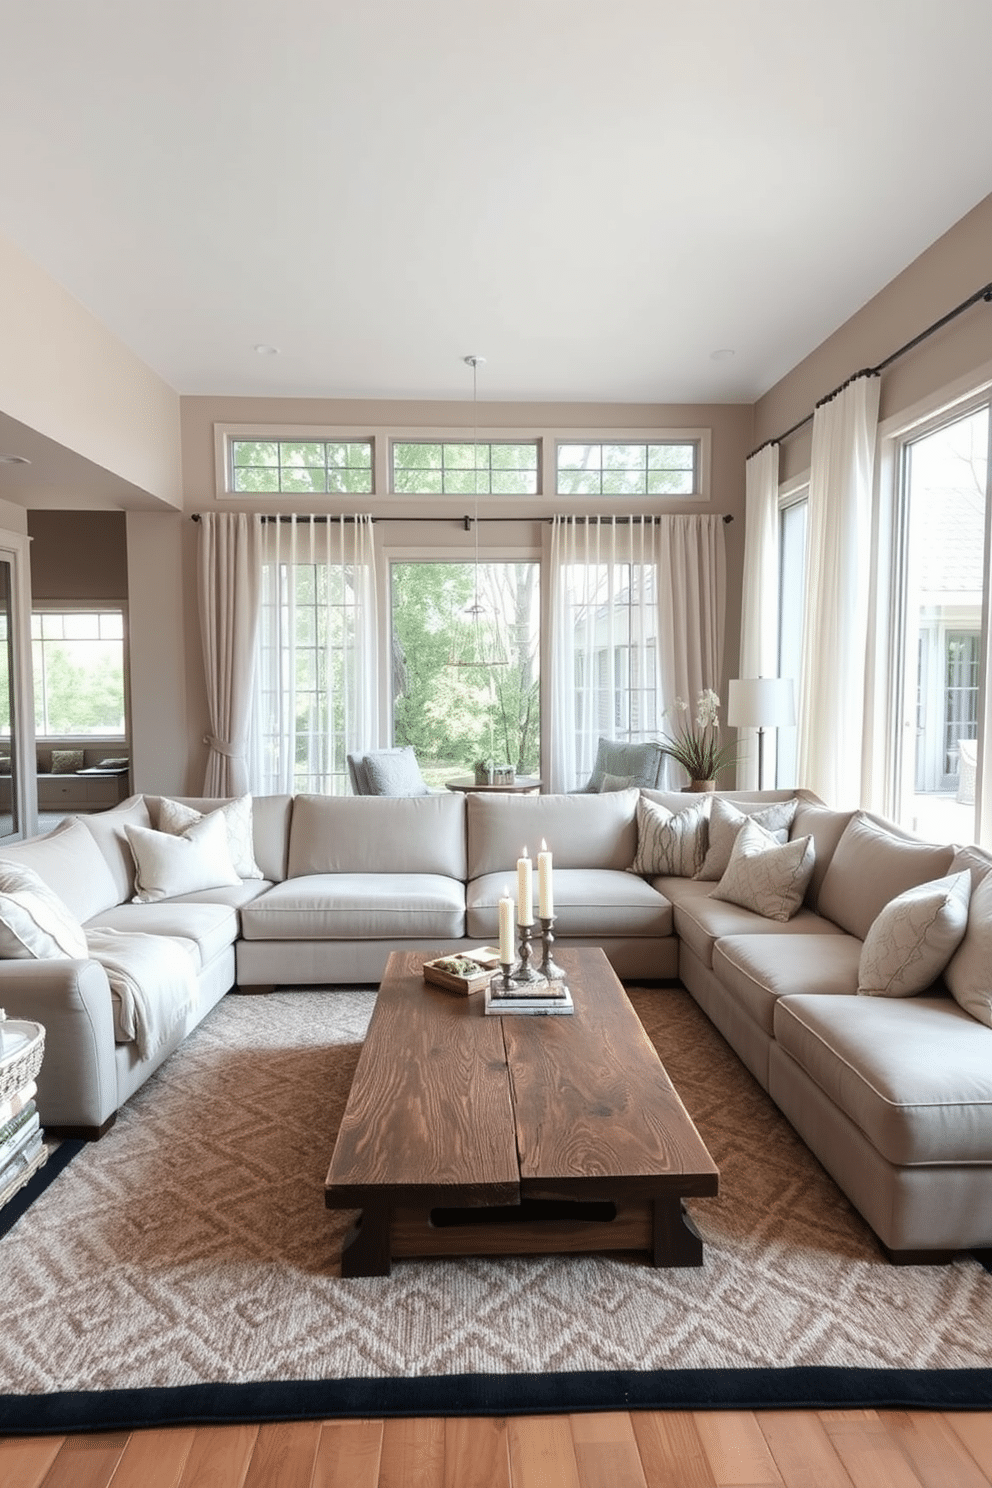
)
(545, 998)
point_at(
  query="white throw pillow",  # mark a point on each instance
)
(914, 937)
(765, 876)
(670, 842)
(726, 820)
(969, 971)
(166, 865)
(176, 817)
(34, 922)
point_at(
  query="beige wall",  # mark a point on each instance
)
(64, 376)
(957, 265)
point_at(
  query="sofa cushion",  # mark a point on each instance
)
(358, 906)
(700, 920)
(71, 864)
(759, 969)
(34, 923)
(968, 974)
(871, 865)
(378, 834)
(671, 842)
(107, 828)
(176, 817)
(725, 822)
(167, 865)
(212, 927)
(914, 1074)
(914, 937)
(583, 831)
(588, 902)
(769, 877)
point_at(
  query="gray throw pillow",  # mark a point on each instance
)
(395, 774)
(639, 764)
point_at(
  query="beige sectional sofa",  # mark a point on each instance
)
(892, 1093)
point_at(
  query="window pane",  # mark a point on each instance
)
(454, 716)
(299, 465)
(651, 469)
(486, 468)
(792, 587)
(78, 660)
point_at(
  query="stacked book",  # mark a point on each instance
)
(22, 1141)
(541, 996)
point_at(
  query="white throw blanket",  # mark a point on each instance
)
(152, 980)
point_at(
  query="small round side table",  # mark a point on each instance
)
(520, 786)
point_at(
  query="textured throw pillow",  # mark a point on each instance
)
(34, 922)
(617, 783)
(726, 820)
(765, 876)
(175, 817)
(166, 865)
(969, 972)
(670, 842)
(66, 761)
(398, 774)
(914, 937)
(120, 762)
(639, 763)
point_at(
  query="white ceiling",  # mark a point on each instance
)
(594, 196)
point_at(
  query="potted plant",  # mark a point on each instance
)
(483, 772)
(698, 749)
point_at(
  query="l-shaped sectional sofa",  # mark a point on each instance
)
(771, 908)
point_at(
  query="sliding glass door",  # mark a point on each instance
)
(942, 632)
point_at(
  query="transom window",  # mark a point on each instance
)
(629, 468)
(308, 466)
(451, 467)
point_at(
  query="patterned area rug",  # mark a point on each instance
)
(190, 1251)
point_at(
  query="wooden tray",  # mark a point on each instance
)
(466, 985)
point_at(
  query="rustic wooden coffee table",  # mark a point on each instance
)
(473, 1135)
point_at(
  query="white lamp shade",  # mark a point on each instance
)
(761, 702)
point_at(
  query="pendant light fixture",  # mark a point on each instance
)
(476, 641)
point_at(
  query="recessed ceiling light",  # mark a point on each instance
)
(264, 350)
(14, 460)
(723, 354)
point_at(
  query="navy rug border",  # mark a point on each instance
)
(809, 1388)
(58, 1161)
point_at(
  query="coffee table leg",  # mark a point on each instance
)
(677, 1242)
(366, 1247)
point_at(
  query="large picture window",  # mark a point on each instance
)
(78, 662)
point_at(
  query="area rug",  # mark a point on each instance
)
(185, 1267)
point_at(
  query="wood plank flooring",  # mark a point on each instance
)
(645, 1449)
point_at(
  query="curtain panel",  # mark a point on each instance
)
(228, 590)
(637, 608)
(317, 655)
(760, 595)
(838, 575)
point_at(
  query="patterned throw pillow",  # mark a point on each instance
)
(66, 761)
(34, 922)
(175, 817)
(726, 820)
(912, 940)
(670, 842)
(766, 877)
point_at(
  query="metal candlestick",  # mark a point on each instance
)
(505, 967)
(549, 967)
(525, 972)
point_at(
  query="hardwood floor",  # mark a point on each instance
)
(649, 1449)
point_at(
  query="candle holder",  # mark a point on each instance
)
(506, 985)
(525, 972)
(549, 967)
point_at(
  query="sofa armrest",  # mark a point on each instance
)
(77, 1082)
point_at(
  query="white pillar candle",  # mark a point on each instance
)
(506, 928)
(525, 890)
(545, 885)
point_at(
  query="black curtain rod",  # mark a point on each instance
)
(985, 293)
(465, 520)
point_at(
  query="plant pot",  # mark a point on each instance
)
(700, 785)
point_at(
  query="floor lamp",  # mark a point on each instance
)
(761, 703)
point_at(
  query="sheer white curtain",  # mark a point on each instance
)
(317, 657)
(636, 619)
(228, 589)
(759, 600)
(835, 620)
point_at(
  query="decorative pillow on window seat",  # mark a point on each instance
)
(35, 924)
(765, 876)
(912, 940)
(670, 842)
(167, 865)
(726, 820)
(67, 761)
(175, 817)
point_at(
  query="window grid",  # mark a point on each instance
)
(78, 664)
(501, 467)
(301, 466)
(628, 468)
